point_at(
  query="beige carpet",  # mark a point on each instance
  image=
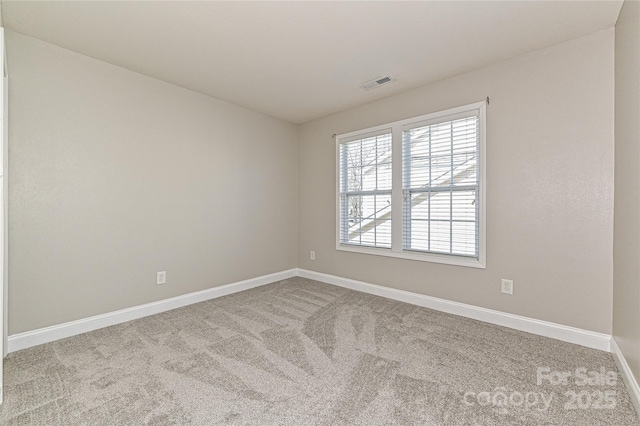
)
(299, 352)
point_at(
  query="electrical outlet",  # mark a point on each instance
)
(507, 286)
(161, 277)
(312, 255)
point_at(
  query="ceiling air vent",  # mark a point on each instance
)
(377, 82)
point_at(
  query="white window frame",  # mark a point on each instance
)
(396, 249)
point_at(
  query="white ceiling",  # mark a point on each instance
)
(301, 60)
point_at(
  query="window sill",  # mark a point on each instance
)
(422, 257)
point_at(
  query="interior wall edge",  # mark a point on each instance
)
(627, 375)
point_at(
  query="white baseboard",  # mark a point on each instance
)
(556, 331)
(565, 333)
(627, 375)
(68, 329)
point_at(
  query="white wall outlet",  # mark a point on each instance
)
(161, 277)
(507, 286)
(312, 255)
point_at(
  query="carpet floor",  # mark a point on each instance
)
(300, 352)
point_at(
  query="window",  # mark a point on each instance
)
(415, 188)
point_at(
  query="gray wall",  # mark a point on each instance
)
(626, 248)
(114, 176)
(549, 195)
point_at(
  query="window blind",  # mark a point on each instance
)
(365, 191)
(441, 186)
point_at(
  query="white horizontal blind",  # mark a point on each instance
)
(365, 191)
(441, 186)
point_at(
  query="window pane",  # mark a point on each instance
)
(440, 205)
(383, 233)
(464, 238)
(439, 235)
(420, 174)
(384, 175)
(366, 164)
(420, 235)
(440, 170)
(420, 205)
(464, 169)
(354, 179)
(368, 220)
(353, 154)
(464, 205)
